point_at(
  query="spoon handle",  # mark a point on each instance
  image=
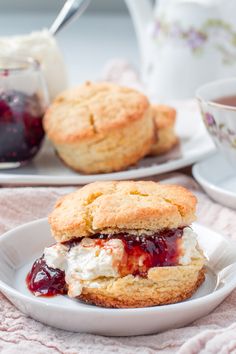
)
(70, 10)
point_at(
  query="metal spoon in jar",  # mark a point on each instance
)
(72, 9)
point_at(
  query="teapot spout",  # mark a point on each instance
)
(141, 12)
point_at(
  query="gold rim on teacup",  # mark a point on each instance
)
(210, 101)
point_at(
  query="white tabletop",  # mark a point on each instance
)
(87, 44)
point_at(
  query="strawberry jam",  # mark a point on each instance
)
(144, 252)
(45, 281)
(21, 130)
(161, 249)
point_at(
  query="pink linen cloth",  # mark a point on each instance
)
(214, 333)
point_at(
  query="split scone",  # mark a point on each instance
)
(164, 121)
(122, 244)
(100, 127)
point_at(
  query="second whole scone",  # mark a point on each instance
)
(100, 127)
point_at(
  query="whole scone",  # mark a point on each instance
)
(164, 120)
(122, 244)
(100, 127)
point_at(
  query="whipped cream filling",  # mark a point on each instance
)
(189, 246)
(56, 256)
(86, 262)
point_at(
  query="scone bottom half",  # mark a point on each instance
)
(122, 244)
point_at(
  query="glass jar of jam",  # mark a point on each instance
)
(23, 100)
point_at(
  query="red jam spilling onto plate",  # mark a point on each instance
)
(45, 281)
(141, 253)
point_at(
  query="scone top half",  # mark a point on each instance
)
(137, 208)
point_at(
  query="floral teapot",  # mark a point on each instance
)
(184, 43)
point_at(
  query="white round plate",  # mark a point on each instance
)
(47, 169)
(21, 246)
(218, 179)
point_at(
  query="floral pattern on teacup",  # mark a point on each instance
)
(214, 30)
(221, 131)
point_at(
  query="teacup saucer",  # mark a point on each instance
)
(217, 178)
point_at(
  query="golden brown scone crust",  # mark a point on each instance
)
(127, 206)
(164, 285)
(164, 119)
(164, 116)
(100, 127)
(92, 108)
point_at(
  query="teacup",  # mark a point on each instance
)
(217, 102)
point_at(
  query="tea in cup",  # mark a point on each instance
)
(217, 102)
